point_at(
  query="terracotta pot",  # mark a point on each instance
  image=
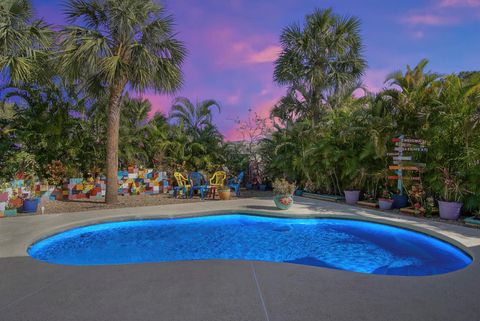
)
(449, 210)
(385, 203)
(352, 197)
(224, 194)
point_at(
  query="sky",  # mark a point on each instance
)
(232, 45)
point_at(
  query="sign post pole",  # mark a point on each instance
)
(400, 171)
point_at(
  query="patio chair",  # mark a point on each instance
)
(218, 179)
(198, 183)
(182, 185)
(235, 182)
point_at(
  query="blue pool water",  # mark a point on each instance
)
(333, 243)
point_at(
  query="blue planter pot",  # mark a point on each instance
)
(400, 201)
(299, 192)
(249, 186)
(263, 187)
(30, 205)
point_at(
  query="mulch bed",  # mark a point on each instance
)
(71, 206)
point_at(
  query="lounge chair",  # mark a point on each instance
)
(235, 182)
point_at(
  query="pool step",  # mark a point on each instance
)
(323, 197)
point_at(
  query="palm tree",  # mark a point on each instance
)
(321, 57)
(412, 93)
(134, 119)
(119, 45)
(23, 40)
(192, 117)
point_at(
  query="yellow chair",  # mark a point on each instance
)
(182, 184)
(218, 179)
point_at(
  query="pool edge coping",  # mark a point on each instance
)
(133, 217)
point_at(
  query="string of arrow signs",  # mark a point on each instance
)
(406, 145)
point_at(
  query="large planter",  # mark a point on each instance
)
(352, 197)
(449, 210)
(283, 202)
(10, 212)
(263, 187)
(299, 192)
(385, 203)
(30, 205)
(400, 201)
(224, 194)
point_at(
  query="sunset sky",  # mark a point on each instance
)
(232, 44)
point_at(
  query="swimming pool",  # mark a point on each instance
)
(325, 242)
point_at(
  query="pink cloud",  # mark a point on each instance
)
(269, 54)
(232, 48)
(459, 3)
(374, 79)
(429, 20)
(160, 103)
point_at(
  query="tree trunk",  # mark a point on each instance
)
(113, 127)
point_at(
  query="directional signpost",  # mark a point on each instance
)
(402, 162)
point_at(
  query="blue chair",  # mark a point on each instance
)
(234, 183)
(198, 183)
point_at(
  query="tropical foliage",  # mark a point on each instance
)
(346, 147)
(70, 104)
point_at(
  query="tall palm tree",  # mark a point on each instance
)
(321, 56)
(23, 40)
(120, 44)
(193, 117)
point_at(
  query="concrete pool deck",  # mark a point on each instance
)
(227, 290)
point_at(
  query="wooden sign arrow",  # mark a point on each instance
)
(408, 140)
(412, 149)
(414, 141)
(404, 168)
(402, 144)
(414, 178)
(400, 158)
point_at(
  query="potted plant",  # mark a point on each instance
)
(299, 192)
(283, 191)
(368, 200)
(399, 200)
(12, 205)
(352, 193)
(449, 204)
(386, 201)
(263, 185)
(30, 166)
(224, 193)
(10, 210)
